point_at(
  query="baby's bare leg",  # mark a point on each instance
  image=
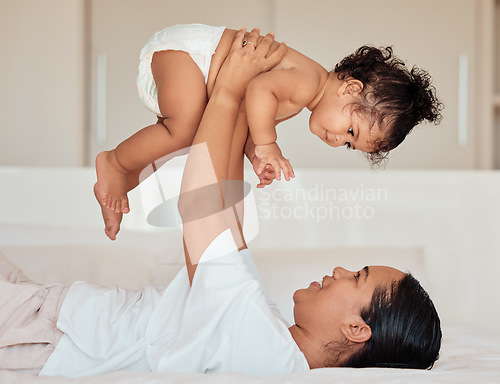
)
(182, 99)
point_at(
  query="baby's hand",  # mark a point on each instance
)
(271, 154)
(267, 176)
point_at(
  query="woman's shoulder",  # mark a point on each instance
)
(260, 344)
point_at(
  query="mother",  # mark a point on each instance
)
(215, 315)
(376, 317)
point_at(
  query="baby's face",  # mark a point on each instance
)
(336, 123)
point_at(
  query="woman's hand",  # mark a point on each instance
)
(244, 62)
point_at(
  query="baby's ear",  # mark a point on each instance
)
(353, 87)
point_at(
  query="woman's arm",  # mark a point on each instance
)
(201, 204)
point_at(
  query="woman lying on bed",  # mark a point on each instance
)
(215, 315)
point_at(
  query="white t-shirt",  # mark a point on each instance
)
(223, 322)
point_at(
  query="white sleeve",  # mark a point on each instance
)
(224, 250)
(221, 246)
(252, 268)
(198, 334)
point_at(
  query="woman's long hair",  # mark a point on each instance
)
(405, 326)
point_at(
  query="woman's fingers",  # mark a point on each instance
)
(263, 183)
(238, 39)
(261, 54)
(278, 55)
(266, 43)
(245, 61)
(252, 38)
(266, 177)
(271, 56)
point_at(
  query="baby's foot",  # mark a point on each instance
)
(111, 190)
(111, 218)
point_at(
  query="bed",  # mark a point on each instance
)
(442, 226)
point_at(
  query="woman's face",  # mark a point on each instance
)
(338, 299)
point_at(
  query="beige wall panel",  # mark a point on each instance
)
(428, 33)
(121, 28)
(496, 130)
(41, 77)
(42, 71)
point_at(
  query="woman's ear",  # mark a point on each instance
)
(356, 331)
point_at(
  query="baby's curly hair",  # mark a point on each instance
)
(393, 96)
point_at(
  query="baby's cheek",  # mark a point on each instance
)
(313, 126)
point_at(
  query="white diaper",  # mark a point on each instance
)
(199, 40)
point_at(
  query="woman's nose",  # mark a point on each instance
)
(339, 273)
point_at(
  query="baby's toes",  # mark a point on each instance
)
(116, 206)
(101, 197)
(104, 200)
(109, 202)
(124, 206)
(111, 231)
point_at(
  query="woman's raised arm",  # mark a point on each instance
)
(201, 203)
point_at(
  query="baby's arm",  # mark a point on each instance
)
(278, 92)
(262, 100)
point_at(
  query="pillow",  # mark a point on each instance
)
(126, 267)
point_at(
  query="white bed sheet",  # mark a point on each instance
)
(64, 254)
(466, 357)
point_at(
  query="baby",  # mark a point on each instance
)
(369, 102)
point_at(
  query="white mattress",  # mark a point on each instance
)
(49, 254)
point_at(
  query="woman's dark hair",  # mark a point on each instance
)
(405, 326)
(393, 96)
